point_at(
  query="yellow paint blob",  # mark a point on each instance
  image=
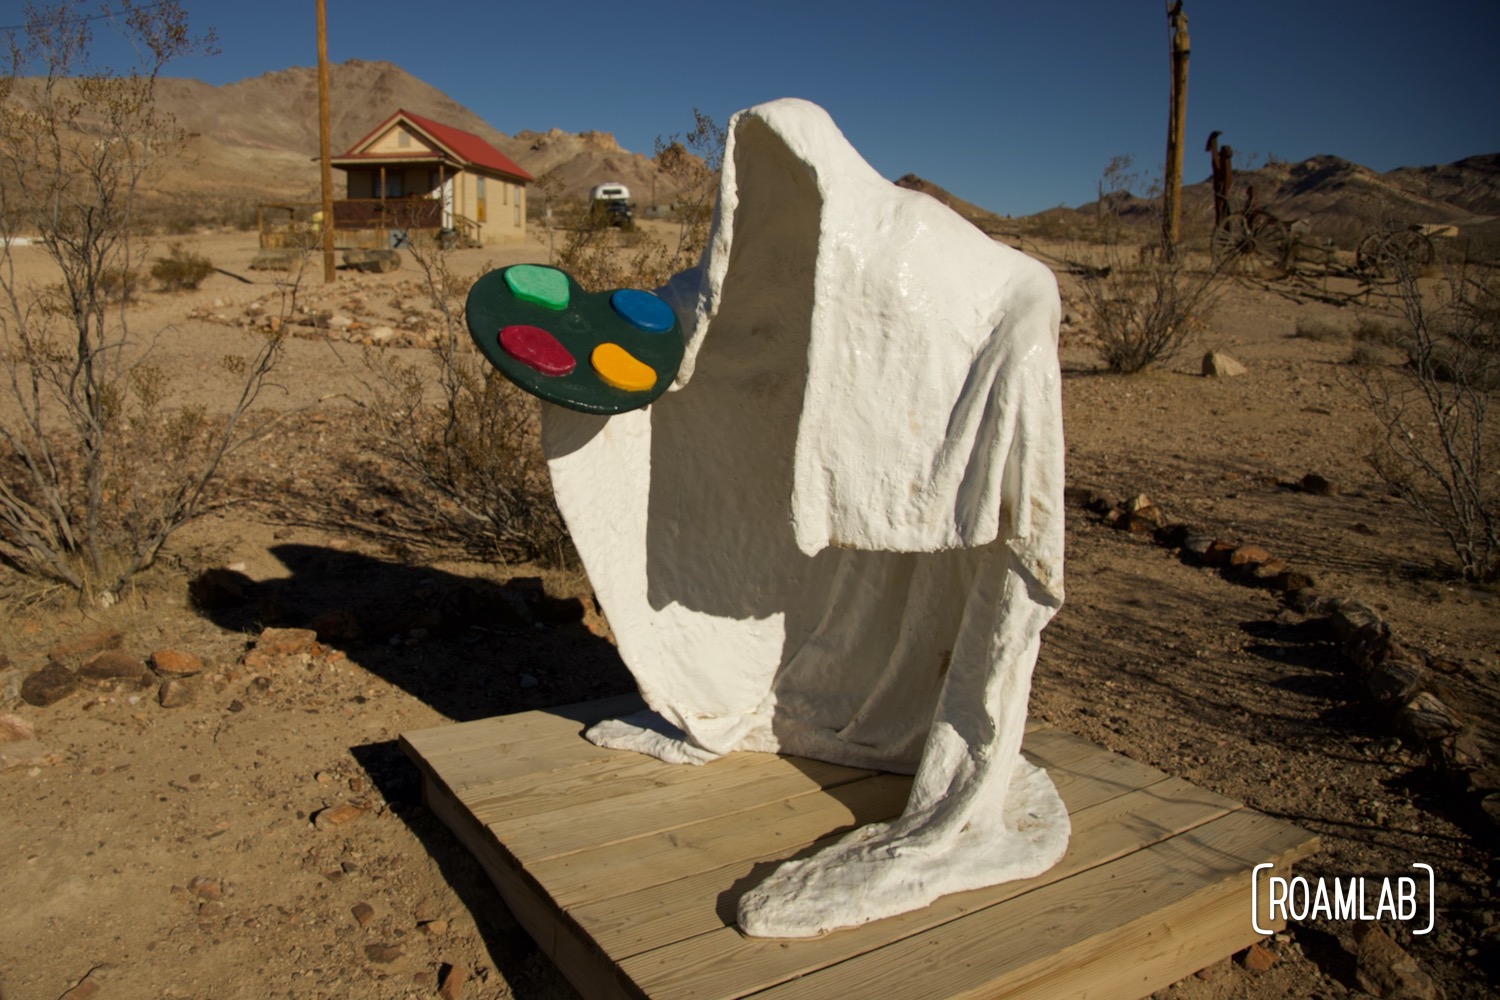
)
(616, 366)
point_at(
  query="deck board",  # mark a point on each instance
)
(628, 871)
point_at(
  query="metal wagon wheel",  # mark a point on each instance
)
(1382, 255)
(1261, 241)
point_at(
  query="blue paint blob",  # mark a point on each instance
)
(643, 310)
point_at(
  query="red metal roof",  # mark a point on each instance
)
(465, 147)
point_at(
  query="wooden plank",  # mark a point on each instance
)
(775, 829)
(586, 968)
(661, 915)
(1034, 942)
(662, 797)
(688, 960)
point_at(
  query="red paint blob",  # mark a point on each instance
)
(537, 349)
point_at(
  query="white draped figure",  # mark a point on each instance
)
(841, 534)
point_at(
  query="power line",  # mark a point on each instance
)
(86, 18)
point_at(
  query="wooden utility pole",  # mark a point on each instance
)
(1177, 28)
(325, 154)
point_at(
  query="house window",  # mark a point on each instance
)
(393, 187)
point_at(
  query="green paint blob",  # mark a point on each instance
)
(546, 286)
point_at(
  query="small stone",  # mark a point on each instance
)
(73, 652)
(1427, 718)
(1204, 974)
(25, 753)
(1258, 958)
(433, 928)
(335, 626)
(1217, 364)
(336, 816)
(1248, 555)
(113, 666)
(49, 685)
(1384, 969)
(451, 985)
(1217, 553)
(363, 913)
(424, 910)
(236, 706)
(286, 641)
(175, 663)
(380, 334)
(1317, 485)
(383, 953)
(174, 693)
(14, 729)
(205, 887)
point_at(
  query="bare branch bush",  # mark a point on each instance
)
(1146, 308)
(96, 468)
(463, 439)
(1435, 446)
(600, 257)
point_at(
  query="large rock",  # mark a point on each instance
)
(1217, 364)
(1384, 969)
(49, 685)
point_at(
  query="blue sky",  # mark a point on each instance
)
(1015, 106)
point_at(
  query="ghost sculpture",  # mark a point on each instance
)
(839, 535)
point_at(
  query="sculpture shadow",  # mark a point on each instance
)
(471, 648)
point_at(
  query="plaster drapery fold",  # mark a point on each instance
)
(840, 535)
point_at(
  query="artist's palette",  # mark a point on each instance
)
(604, 352)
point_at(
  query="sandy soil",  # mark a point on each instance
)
(201, 851)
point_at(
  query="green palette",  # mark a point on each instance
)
(596, 352)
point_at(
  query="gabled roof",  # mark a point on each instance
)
(464, 148)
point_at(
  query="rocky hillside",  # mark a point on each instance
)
(257, 140)
(1340, 200)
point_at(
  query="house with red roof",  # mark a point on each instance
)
(411, 173)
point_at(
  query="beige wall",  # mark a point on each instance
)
(505, 201)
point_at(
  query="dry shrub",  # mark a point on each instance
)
(181, 269)
(1319, 330)
(463, 440)
(1436, 447)
(1146, 311)
(97, 470)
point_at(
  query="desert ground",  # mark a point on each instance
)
(265, 837)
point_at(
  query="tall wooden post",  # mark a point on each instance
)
(325, 154)
(1177, 119)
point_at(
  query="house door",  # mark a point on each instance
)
(448, 203)
(479, 212)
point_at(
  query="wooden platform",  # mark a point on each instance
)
(627, 871)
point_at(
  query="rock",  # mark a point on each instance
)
(174, 693)
(113, 666)
(10, 681)
(433, 928)
(380, 334)
(1426, 718)
(1217, 364)
(49, 685)
(1317, 485)
(1384, 969)
(383, 953)
(335, 816)
(1217, 553)
(73, 652)
(205, 887)
(1395, 682)
(363, 913)
(175, 663)
(1248, 555)
(286, 641)
(25, 753)
(1258, 958)
(451, 985)
(339, 323)
(219, 589)
(14, 729)
(335, 626)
